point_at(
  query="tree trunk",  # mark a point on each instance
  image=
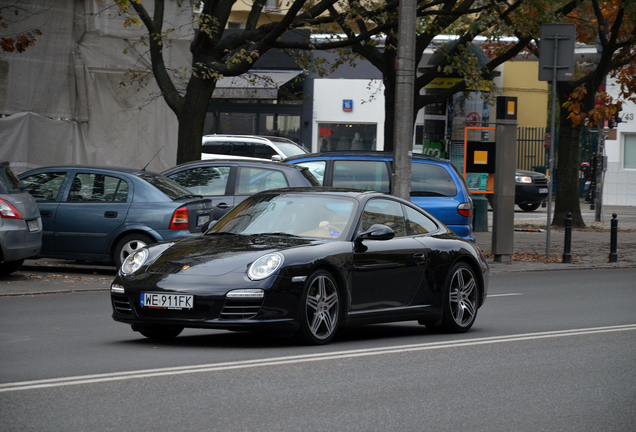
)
(567, 174)
(389, 110)
(191, 117)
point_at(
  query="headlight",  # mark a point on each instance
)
(523, 179)
(134, 261)
(265, 266)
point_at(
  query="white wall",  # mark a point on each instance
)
(620, 183)
(368, 105)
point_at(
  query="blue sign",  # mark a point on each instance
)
(347, 104)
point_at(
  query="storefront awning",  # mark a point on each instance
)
(253, 85)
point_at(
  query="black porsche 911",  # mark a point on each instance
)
(305, 261)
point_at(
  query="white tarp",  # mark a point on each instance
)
(63, 102)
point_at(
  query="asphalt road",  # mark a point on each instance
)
(549, 351)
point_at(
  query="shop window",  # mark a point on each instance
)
(351, 136)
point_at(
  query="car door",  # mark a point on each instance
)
(46, 188)
(94, 205)
(214, 181)
(386, 273)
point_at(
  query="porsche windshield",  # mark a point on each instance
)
(321, 216)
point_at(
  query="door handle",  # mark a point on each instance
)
(45, 213)
(419, 257)
(110, 214)
(223, 205)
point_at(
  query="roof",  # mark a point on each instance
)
(361, 153)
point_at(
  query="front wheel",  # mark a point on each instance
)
(319, 308)
(529, 207)
(160, 333)
(460, 300)
(129, 244)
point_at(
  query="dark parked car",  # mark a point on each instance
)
(306, 261)
(103, 214)
(436, 185)
(229, 181)
(20, 223)
(531, 188)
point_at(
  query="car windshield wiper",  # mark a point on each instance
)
(222, 233)
(276, 233)
(190, 196)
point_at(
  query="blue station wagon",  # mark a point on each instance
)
(436, 185)
(104, 213)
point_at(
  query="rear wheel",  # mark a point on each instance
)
(160, 333)
(320, 308)
(129, 244)
(460, 301)
(530, 207)
(8, 267)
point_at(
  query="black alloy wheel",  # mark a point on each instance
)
(319, 308)
(461, 294)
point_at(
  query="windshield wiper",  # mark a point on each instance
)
(190, 196)
(276, 233)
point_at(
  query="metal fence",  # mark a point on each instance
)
(532, 154)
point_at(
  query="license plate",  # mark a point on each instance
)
(202, 219)
(33, 225)
(543, 190)
(167, 301)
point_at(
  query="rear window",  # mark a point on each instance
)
(431, 180)
(357, 174)
(169, 187)
(290, 149)
(9, 182)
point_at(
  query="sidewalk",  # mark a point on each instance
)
(590, 248)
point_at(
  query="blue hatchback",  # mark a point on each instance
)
(436, 185)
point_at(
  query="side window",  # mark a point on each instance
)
(317, 169)
(207, 181)
(252, 180)
(369, 175)
(44, 186)
(90, 187)
(417, 223)
(243, 149)
(385, 212)
(263, 151)
(431, 180)
(217, 148)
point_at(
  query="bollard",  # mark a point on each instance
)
(613, 256)
(567, 256)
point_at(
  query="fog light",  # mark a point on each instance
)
(117, 289)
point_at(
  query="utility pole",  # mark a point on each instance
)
(404, 88)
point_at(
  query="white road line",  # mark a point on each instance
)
(277, 361)
(504, 295)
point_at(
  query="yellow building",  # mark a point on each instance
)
(521, 80)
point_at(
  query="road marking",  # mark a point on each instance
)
(504, 295)
(277, 361)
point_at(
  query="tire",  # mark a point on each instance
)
(8, 267)
(461, 295)
(128, 244)
(319, 309)
(530, 207)
(160, 333)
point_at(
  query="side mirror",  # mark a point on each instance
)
(277, 158)
(377, 232)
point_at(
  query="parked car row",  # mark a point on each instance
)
(20, 223)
